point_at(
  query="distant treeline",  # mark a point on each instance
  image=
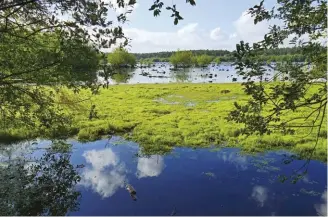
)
(273, 55)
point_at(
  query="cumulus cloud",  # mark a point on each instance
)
(233, 35)
(217, 34)
(106, 174)
(190, 28)
(260, 194)
(188, 37)
(247, 30)
(191, 36)
(150, 167)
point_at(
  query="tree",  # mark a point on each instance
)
(305, 93)
(40, 52)
(194, 60)
(204, 60)
(284, 97)
(27, 65)
(217, 60)
(122, 76)
(181, 59)
(121, 58)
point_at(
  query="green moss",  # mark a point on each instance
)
(209, 174)
(311, 193)
(162, 116)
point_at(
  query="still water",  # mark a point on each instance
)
(184, 182)
(163, 73)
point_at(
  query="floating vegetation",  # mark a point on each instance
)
(215, 149)
(160, 117)
(263, 165)
(311, 193)
(209, 174)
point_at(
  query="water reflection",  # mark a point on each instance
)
(46, 187)
(220, 182)
(322, 208)
(163, 73)
(149, 167)
(106, 174)
(121, 76)
(240, 161)
(260, 194)
(183, 75)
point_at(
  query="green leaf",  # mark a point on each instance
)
(132, 2)
(152, 7)
(157, 12)
(176, 20)
(191, 2)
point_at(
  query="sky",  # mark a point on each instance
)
(211, 24)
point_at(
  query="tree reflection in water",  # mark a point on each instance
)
(121, 75)
(44, 187)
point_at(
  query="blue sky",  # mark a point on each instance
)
(211, 24)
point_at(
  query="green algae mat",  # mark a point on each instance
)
(163, 116)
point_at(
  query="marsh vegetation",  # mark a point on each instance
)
(68, 125)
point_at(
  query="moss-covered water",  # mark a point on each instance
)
(164, 116)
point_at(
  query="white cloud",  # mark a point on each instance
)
(191, 36)
(233, 35)
(106, 174)
(190, 28)
(322, 208)
(217, 34)
(150, 167)
(186, 38)
(247, 30)
(260, 194)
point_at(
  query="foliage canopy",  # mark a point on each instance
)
(181, 59)
(121, 57)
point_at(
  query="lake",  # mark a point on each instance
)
(187, 181)
(163, 73)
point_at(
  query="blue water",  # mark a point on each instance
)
(190, 181)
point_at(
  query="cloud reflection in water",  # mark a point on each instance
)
(238, 160)
(150, 167)
(260, 194)
(322, 208)
(106, 174)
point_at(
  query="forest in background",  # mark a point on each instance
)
(280, 54)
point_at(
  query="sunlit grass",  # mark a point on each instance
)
(162, 116)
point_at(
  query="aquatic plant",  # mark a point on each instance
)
(136, 113)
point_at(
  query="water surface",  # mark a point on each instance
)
(163, 73)
(185, 182)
